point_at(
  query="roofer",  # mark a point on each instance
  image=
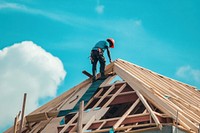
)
(97, 55)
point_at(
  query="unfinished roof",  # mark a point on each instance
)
(143, 101)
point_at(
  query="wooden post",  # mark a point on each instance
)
(176, 122)
(15, 125)
(22, 116)
(16, 122)
(80, 117)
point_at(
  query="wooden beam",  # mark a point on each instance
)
(96, 95)
(16, 122)
(87, 125)
(80, 117)
(133, 119)
(126, 114)
(135, 126)
(101, 131)
(102, 98)
(15, 125)
(124, 98)
(113, 97)
(144, 129)
(149, 109)
(101, 125)
(22, 116)
(69, 123)
(129, 120)
(87, 73)
(37, 117)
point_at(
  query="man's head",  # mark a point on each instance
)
(111, 42)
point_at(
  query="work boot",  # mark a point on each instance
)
(93, 78)
(102, 76)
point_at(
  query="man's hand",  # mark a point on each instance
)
(110, 61)
(91, 59)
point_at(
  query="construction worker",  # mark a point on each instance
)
(97, 55)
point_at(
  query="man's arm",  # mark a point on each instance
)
(108, 53)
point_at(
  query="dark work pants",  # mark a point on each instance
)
(98, 56)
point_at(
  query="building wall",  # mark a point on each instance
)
(166, 129)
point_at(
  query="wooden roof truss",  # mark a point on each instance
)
(126, 111)
(143, 100)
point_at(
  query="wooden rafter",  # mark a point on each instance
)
(102, 98)
(149, 109)
(126, 114)
(114, 95)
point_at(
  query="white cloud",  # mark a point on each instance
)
(65, 18)
(23, 8)
(100, 9)
(26, 68)
(188, 73)
(11, 6)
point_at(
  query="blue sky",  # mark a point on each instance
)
(160, 35)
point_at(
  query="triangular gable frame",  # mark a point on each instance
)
(69, 127)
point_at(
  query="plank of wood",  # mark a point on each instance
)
(134, 126)
(80, 117)
(149, 109)
(101, 131)
(69, 123)
(189, 113)
(101, 125)
(145, 129)
(37, 117)
(115, 95)
(22, 115)
(96, 95)
(102, 98)
(87, 125)
(16, 123)
(87, 73)
(126, 114)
